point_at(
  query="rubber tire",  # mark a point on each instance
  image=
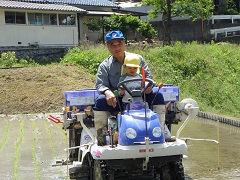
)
(172, 171)
(98, 170)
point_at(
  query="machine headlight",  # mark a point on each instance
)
(157, 132)
(131, 133)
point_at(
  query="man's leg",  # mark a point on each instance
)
(155, 98)
(101, 104)
(100, 124)
(101, 113)
(156, 103)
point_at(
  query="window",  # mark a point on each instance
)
(67, 19)
(42, 19)
(53, 19)
(15, 17)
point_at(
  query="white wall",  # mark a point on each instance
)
(13, 34)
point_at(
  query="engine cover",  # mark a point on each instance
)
(132, 127)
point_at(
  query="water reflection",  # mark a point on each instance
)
(203, 160)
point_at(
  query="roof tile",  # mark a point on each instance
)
(26, 5)
(103, 3)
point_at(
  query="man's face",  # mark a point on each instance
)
(116, 48)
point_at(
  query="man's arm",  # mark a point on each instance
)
(102, 82)
(102, 85)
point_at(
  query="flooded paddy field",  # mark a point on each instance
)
(31, 144)
(208, 160)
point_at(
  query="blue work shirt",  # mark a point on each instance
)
(109, 72)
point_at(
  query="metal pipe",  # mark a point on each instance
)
(190, 116)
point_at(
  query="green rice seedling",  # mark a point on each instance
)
(52, 144)
(4, 140)
(16, 147)
(37, 170)
(65, 136)
(51, 138)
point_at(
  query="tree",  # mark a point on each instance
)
(227, 7)
(171, 8)
(124, 23)
(146, 30)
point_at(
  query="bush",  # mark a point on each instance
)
(207, 73)
(8, 59)
(88, 58)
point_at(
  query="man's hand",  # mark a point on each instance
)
(121, 91)
(111, 99)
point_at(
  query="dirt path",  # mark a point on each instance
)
(29, 148)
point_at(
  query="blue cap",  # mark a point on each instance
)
(114, 35)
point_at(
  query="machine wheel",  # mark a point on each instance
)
(172, 171)
(179, 170)
(111, 175)
(74, 140)
(157, 176)
(90, 161)
(99, 171)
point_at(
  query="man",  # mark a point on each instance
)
(108, 75)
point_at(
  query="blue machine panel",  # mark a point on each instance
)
(170, 93)
(135, 119)
(80, 98)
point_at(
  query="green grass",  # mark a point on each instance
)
(87, 57)
(208, 73)
(8, 60)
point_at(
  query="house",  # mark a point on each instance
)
(27, 24)
(43, 23)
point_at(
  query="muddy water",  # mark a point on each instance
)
(208, 160)
(30, 145)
